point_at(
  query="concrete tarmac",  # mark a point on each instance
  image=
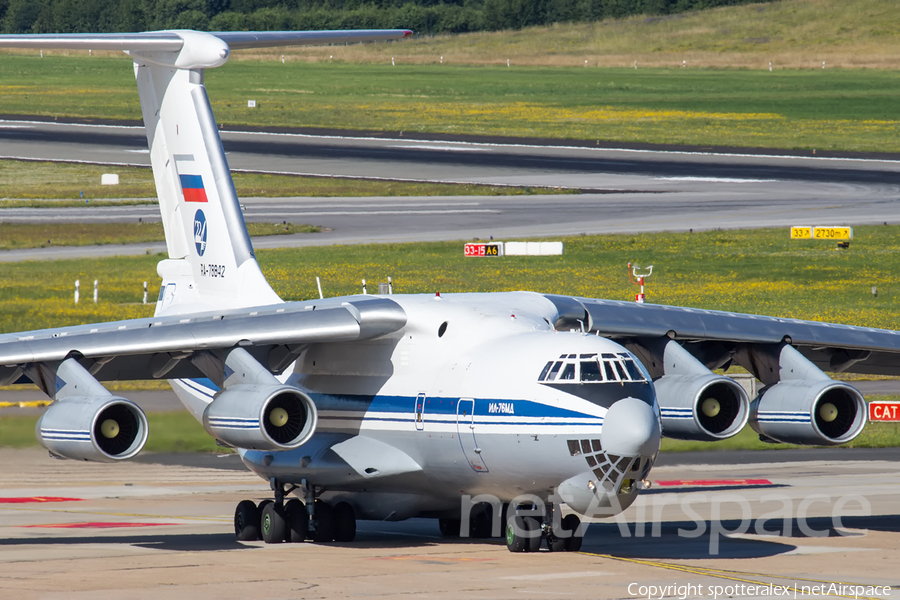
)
(145, 530)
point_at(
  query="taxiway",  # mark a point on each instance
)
(145, 530)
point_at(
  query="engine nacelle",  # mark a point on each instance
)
(261, 417)
(820, 412)
(705, 407)
(103, 429)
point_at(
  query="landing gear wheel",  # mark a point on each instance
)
(449, 527)
(344, 522)
(273, 524)
(261, 507)
(519, 534)
(571, 524)
(481, 522)
(555, 544)
(297, 521)
(246, 521)
(533, 543)
(324, 523)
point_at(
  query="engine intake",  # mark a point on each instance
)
(261, 417)
(821, 412)
(102, 429)
(694, 402)
(701, 407)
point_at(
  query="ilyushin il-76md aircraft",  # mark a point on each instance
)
(387, 407)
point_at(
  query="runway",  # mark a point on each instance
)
(623, 190)
(146, 530)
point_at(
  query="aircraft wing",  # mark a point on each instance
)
(714, 336)
(168, 347)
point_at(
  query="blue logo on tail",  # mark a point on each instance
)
(200, 232)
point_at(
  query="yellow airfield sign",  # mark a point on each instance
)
(821, 233)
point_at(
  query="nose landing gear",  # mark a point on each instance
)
(524, 533)
(276, 521)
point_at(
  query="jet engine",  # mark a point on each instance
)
(704, 407)
(261, 417)
(694, 402)
(103, 429)
(823, 412)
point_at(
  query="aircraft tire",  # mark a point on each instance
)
(344, 522)
(555, 544)
(533, 541)
(246, 521)
(449, 527)
(273, 524)
(481, 523)
(571, 523)
(517, 534)
(324, 523)
(297, 521)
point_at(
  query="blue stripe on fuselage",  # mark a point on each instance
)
(507, 410)
(442, 406)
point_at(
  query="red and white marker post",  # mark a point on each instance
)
(638, 279)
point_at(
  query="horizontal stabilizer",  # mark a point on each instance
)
(172, 41)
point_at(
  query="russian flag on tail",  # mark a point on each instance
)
(192, 188)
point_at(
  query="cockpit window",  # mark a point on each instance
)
(593, 368)
(590, 371)
(545, 371)
(633, 371)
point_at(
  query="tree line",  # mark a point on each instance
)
(422, 16)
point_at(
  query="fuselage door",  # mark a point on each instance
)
(420, 412)
(465, 428)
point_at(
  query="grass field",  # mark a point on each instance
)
(760, 271)
(180, 432)
(168, 432)
(837, 109)
(798, 34)
(757, 271)
(30, 183)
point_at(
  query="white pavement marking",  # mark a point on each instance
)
(716, 179)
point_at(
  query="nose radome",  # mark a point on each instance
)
(631, 428)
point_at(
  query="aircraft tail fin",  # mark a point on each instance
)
(211, 263)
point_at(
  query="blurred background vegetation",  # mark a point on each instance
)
(423, 16)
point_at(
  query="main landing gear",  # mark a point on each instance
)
(276, 521)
